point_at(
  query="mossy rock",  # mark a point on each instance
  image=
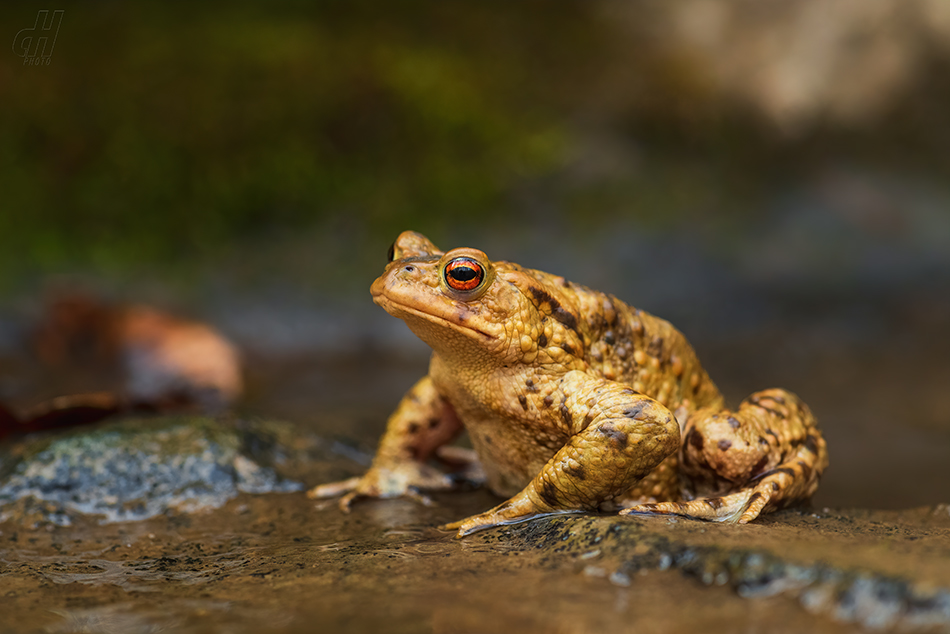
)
(134, 469)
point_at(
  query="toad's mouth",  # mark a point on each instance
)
(455, 321)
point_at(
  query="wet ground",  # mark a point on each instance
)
(275, 563)
(279, 562)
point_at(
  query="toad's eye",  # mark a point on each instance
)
(464, 274)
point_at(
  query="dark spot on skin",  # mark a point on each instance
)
(576, 470)
(524, 402)
(548, 493)
(734, 423)
(784, 470)
(771, 433)
(771, 411)
(615, 436)
(655, 349)
(647, 507)
(488, 439)
(548, 401)
(566, 348)
(433, 423)
(636, 325)
(413, 428)
(760, 466)
(714, 503)
(811, 444)
(541, 296)
(695, 440)
(755, 496)
(566, 415)
(635, 412)
(588, 419)
(724, 445)
(775, 486)
(565, 317)
(610, 308)
(609, 337)
(763, 441)
(542, 340)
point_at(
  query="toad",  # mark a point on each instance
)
(573, 401)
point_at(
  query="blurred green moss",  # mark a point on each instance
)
(283, 138)
(157, 134)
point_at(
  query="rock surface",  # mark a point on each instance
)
(140, 468)
(877, 569)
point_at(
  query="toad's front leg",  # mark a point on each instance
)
(422, 424)
(618, 436)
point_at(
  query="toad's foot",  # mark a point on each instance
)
(518, 509)
(408, 480)
(735, 508)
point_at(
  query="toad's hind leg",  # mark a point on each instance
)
(766, 455)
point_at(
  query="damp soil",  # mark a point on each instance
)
(279, 562)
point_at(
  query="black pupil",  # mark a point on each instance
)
(463, 273)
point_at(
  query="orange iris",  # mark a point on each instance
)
(464, 274)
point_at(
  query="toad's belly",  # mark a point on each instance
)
(512, 455)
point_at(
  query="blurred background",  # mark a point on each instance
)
(772, 177)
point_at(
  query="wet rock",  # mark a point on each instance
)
(140, 468)
(880, 570)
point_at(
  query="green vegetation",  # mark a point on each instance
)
(287, 137)
(158, 134)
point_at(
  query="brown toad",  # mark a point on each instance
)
(574, 401)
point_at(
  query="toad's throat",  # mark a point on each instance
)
(391, 305)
